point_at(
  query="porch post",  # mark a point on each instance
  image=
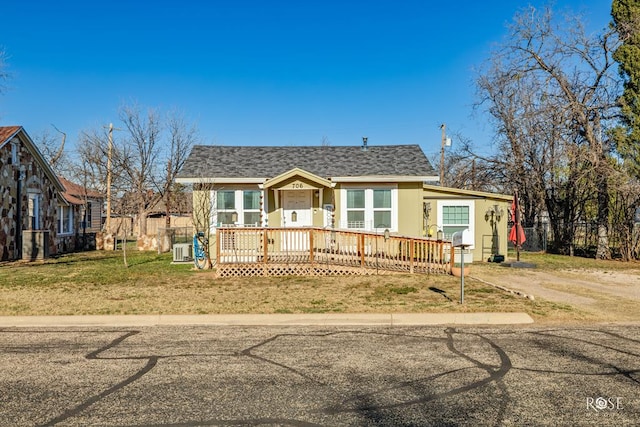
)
(218, 246)
(265, 245)
(311, 233)
(411, 255)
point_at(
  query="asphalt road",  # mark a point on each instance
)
(328, 376)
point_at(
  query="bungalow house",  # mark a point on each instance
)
(30, 195)
(80, 218)
(358, 188)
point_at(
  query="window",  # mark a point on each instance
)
(382, 208)
(454, 219)
(251, 207)
(355, 208)
(34, 211)
(455, 216)
(14, 153)
(226, 205)
(370, 208)
(65, 220)
(238, 207)
(88, 216)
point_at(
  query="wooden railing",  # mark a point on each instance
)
(327, 247)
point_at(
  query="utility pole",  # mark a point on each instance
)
(109, 154)
(109, 178)
(443, 127)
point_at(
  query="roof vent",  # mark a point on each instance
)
(364, 143)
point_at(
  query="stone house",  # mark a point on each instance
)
(30, 196)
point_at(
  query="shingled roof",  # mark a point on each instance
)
(324, 161)
(6, 132)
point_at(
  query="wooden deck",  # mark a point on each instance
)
(318, 251)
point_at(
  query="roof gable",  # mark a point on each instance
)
(323, 161)
(76, 194)
(297, 172)
(7, 133)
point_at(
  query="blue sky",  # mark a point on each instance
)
(254, 72)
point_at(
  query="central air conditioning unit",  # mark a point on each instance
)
(182, 252)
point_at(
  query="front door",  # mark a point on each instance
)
(297, 208)
(296, 213)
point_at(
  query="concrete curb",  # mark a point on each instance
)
(333, 319)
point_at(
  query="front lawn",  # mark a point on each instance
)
(99, 283)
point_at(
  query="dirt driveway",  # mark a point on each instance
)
(596, 295)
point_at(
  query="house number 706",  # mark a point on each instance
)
(297, 185)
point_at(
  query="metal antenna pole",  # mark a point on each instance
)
(443, 127)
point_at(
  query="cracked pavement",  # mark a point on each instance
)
(320, 376)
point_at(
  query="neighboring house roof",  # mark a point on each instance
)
(448, 192)
(181, 203)
(262, 162)
(76, 194)
(7, 133)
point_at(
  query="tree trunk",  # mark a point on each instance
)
(603, 251)
(167, 205)
(142, 223)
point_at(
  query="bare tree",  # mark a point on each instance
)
(148, 151)
(54, 152)
(203, 202)
(551, 89)
(468, 170)
(182, 137)
(92, 150)
(138, 156)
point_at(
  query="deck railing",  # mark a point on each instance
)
(328, 247)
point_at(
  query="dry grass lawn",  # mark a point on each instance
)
(99, 283)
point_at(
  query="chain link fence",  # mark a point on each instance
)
(585, 240)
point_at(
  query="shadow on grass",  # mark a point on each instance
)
(440, 291)
(57, 259)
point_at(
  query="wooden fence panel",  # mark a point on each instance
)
(322, 247)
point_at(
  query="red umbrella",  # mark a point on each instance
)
(516, 235)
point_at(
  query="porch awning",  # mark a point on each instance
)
(297, 179)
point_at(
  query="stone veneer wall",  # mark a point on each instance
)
(35, 180)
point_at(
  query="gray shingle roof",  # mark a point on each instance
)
(324, 161)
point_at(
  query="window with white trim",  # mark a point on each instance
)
(88, 216)
(33, 210)
(226, 207)
(370, 208)
(14, 153)
(382, 208)
(65, 220)
(251, 207)
(454, 216)
(355, 209)
(238, 207)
